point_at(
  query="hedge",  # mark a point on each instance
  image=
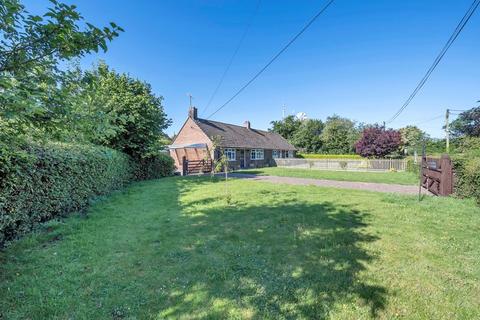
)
(40, 182)
(328, 156)
(467, 176)
(155, 167)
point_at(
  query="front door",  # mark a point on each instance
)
(242, 158)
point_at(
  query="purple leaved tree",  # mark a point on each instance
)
(376, 142)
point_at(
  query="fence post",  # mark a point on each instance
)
(184, 166)
(446, 179)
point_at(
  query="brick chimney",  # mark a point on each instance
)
(246, 124)
(192, 113)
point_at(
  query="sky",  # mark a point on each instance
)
(360, 59)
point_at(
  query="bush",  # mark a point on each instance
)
(467, 176)
(470, 145)
(377, 142)
(156, 166)
(328, 156)
(40, 182)
(412, 166)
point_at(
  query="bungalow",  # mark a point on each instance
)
(243, 146)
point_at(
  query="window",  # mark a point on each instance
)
(276, 154)
(230, 154)
(256, 154)
(290, 154)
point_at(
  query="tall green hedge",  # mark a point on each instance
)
(39, 182)
(467, 176)
(154, 167)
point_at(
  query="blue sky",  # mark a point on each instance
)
(361, 59)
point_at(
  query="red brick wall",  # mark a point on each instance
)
(190, 133)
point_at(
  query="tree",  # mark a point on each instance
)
(467, 124)
(338, 135)
(434, 145)
(286, 127)
(32, 40)
(469, 145)
(119, 112)
(377, 142)
(412, 137)
(307, 136)
(31, 49)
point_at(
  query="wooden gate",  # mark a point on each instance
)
(437, 175)
(196, 166)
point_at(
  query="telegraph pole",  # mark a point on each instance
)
(283, 111)
(447, 130)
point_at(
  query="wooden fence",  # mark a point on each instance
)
(379, 165)
(437, 175)
(196, 166)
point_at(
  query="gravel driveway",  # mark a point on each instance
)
(379, 187)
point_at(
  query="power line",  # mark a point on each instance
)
(428, 120)
(444, 50)
(434, 118)
(312, 20)
(242, 38)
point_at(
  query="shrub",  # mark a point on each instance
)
(467, 176)
(155, 166)
(412, 166)
(343, 164)
(469, 145)
(40, 182)
(377, 142)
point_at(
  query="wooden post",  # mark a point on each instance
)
(421, 172)
(446, 180)
(447, 131)
(184, 166)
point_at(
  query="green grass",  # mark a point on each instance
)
(173, 248)
(404, 178)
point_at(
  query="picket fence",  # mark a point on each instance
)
(379, 165)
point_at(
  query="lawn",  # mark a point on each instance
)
(404, 178)
(176, 248)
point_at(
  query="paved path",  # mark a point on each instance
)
(379, 187)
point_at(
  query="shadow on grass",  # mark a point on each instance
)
(162, 250)
(250, 171)
(284, 260)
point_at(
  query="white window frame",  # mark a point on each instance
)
(290, 154)
(276, 154)
(230, 153)
(257, 154)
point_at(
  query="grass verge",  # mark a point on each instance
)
(173, 248)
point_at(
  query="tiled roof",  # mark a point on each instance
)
(242, 137)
